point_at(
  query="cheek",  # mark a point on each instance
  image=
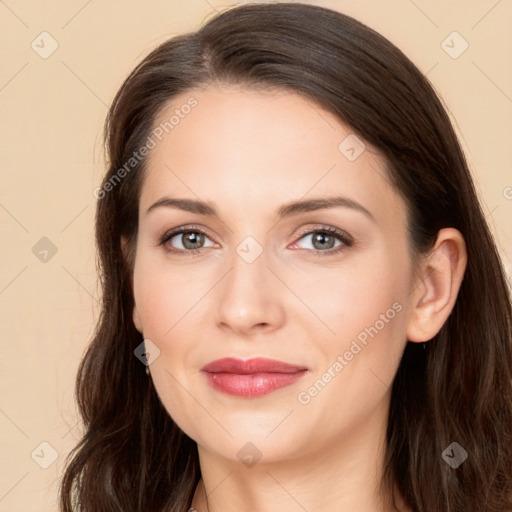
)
(356, 365)
(365, 309)
(165, 301)
(353, 296)
(164, 295)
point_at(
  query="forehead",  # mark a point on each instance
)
(241, 146)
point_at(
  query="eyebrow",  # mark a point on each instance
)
(286, 210)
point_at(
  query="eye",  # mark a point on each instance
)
(323, 240)
(188, 240)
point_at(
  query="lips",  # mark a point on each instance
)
(251, 378)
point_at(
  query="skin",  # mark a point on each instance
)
(248, 152)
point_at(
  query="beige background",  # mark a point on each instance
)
(52, 114)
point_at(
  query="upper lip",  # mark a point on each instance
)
(250, 366)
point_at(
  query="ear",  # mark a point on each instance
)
(437, 285)
(127, 257)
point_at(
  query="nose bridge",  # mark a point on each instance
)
(249, 273)
(249, 297)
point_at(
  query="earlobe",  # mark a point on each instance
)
(438, 285)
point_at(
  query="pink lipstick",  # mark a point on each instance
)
(251, 378)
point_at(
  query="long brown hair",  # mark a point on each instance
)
(133, 457)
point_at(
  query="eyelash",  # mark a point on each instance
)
(346, 240)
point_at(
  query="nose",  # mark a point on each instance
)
(250, 297)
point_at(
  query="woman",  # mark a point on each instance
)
(292, 248)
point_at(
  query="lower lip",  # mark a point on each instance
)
(252, 385)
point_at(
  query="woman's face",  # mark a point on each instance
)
(266, 280)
